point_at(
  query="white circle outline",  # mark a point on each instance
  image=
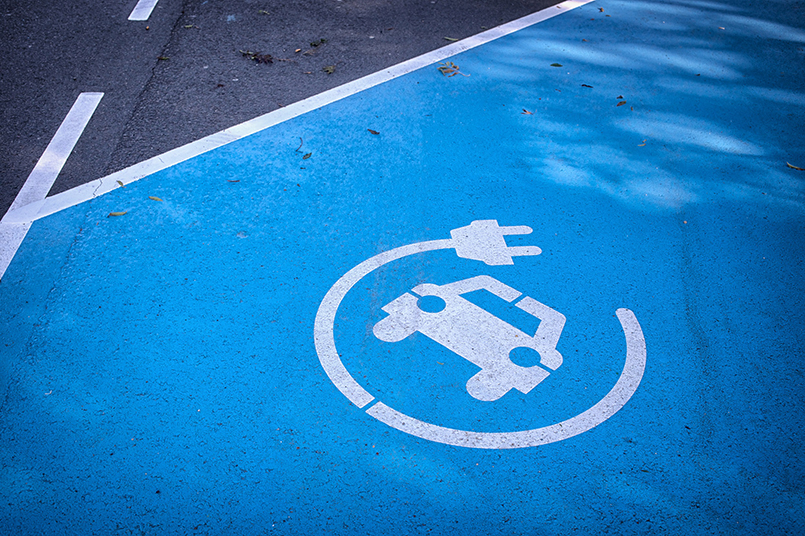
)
(324, 337)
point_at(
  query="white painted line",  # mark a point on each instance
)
(44, 174)
(39, 208)
(106, 184)
(143, 10)
(49, 165)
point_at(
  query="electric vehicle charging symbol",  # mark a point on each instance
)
(476, 335)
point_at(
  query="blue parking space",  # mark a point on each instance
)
(556, 292)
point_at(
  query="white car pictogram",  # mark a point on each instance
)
(477, 335)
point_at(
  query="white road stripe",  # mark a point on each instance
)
(143, 10)
(44, 174)
(25, 215)
(49, 165)
(98, 187)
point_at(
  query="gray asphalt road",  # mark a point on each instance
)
(181, 75)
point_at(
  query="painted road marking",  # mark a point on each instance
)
(615, 399)
(478, 336)
(104, 185)
(44, 174)
(49, 165)
(143, 10)
(181, 332)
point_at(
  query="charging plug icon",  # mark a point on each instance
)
(483, 240)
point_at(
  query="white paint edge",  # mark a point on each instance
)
(143, 10)
(11, 236)
(12, 228)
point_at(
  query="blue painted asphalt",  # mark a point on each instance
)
(159, 369)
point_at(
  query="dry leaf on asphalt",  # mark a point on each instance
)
(154, 198)
(116, 213)
(794, 167)
(450, 69)
(256, 56)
